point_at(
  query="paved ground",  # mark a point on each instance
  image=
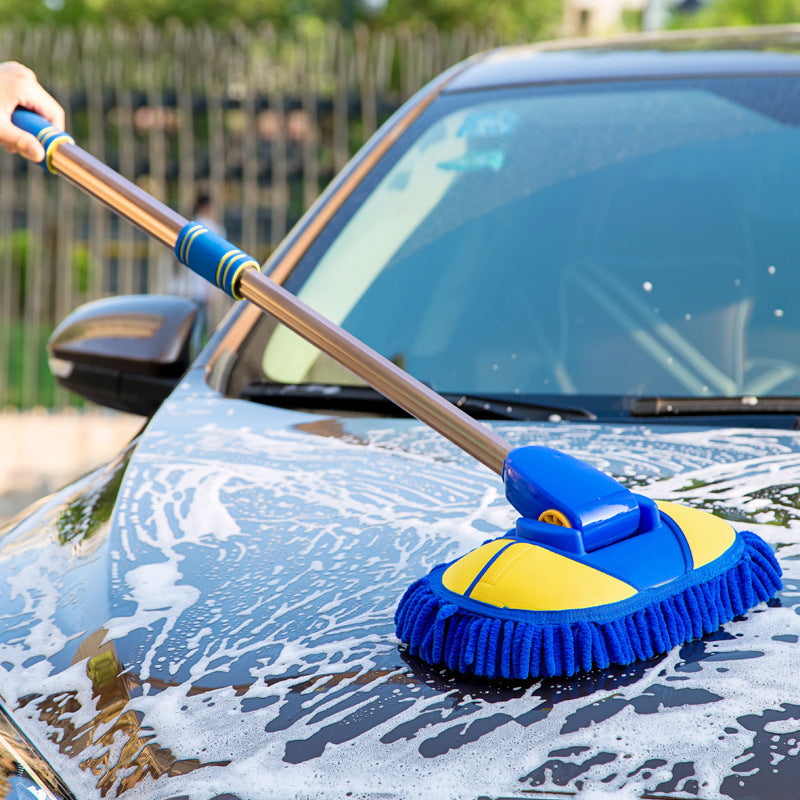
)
(41, 451)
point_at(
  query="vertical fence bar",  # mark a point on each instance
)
(214, 83)
(278, 150)
(64, 261)
(8, 284)
(365, 76)
(214, 78)
(121, 130)
(156, 120)
(66, 257)
(34, 286)
(341, 111)
(98, 227)
(250, 135)
(216, 141)
(37, 264)
(185, 65)
(123, 141)
(302, 129)
(309, 60)
(405, 59)
(9, 313)
(385, 53)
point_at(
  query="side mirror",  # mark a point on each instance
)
(126, 353)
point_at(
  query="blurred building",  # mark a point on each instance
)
(604, 17)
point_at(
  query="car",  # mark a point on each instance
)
(590, 248)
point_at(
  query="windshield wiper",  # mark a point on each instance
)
(713, 406)
(364, 399)
(500, 408)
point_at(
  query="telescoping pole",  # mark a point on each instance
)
(238, 274)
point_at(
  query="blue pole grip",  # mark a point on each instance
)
(212, 257)
(50, 136)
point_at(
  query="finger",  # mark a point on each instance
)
(19, 141)
(30, 147)
(13, 69)
(38, 100)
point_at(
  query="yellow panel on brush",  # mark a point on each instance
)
(532, 578)
(708, 536)
(458, 576)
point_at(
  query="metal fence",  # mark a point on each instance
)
(257, 122)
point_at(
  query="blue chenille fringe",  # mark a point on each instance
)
(442, 633)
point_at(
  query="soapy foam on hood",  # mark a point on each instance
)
(329, 704)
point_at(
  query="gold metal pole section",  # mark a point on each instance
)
(160, 221)
(118, 193)
(391, 381)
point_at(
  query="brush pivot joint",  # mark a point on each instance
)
(592, 510)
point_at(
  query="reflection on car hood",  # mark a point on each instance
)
(229, 627)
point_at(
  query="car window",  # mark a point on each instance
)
(620, 238)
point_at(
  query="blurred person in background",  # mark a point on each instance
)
(19, 87)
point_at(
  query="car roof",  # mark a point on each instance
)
(771, 50)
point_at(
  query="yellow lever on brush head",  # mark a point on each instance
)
(591, 575)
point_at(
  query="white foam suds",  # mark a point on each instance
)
(253, 610)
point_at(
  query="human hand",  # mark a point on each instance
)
(19, 87)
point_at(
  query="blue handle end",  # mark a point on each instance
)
(50, 136)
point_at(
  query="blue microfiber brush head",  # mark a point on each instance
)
(592, 575)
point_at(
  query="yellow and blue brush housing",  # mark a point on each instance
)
(592, 575)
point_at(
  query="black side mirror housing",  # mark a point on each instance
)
(126, 353)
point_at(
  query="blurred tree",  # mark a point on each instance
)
(88, 12)
(527, 19)
(739, 12)
(521, 18)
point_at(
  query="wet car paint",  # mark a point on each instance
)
(228, 626)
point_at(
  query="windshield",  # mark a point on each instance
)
(611, 239)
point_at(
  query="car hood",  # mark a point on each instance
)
(213, 613)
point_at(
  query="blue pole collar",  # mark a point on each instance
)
(212, 257)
